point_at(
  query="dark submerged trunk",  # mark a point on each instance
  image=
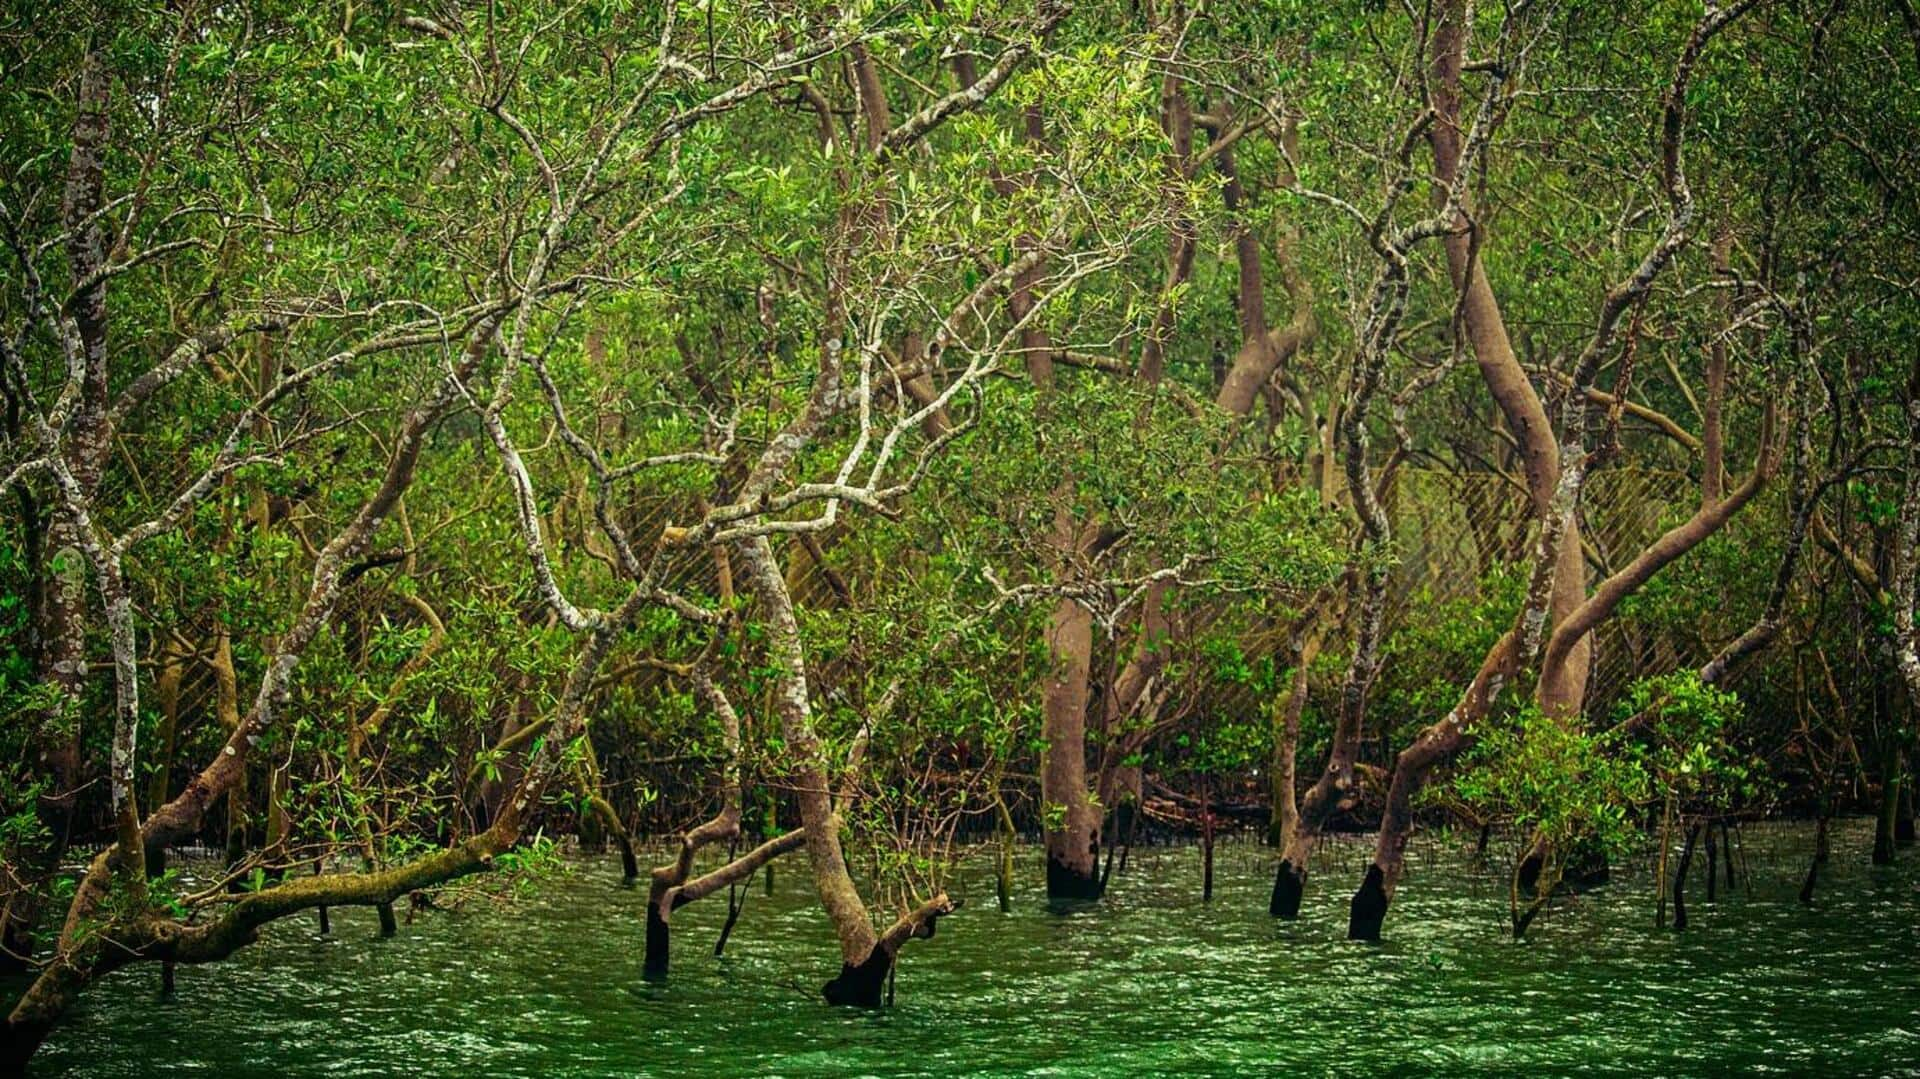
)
(1713, 854)
(1820, 848)
(860, 986)
(1206, 857)
(1885, 823)
(1289, 884)
(629, 864)
(1069, 883)
(659, 941)
(1726, 849)
(1680, 879)
(1367, 911)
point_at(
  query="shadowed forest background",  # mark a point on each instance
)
(1462, 462)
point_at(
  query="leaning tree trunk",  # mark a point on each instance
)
(92, 941)
(866, 956)
(1680, 878)
(1820, 849)
(1526, 418)
(670, 888)
(1559, 564)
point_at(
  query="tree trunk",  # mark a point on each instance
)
(1206, 843)
(1884, 820)
(667, 894)
(1726, 849)
(1003, 879)
(1290, 876)
(669, 888)
(60, 623)
(320, 912)
(866, 956)
(1680, 879)
(1526, 417)
(1367, 911)
(1713, 865)
(1073, 823)
(1263, 350)
(1284, 768)
(1336, 782)
(1553, 482)
(1820, 851)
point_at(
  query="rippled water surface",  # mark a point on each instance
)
(1152, 982)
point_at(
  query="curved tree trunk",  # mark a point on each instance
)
(665, 898)
(670, 888)
(866, 956)
(1526, 418)
(1559, 563)
(1264, 350)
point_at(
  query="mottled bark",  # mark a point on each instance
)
(1072, 834)
(60, 622)
(1500, 368)
(111, 943)
(87, 950)
(866, 956)
(806, 761)
(1906, 553)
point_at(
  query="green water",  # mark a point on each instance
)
(1152, 982)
